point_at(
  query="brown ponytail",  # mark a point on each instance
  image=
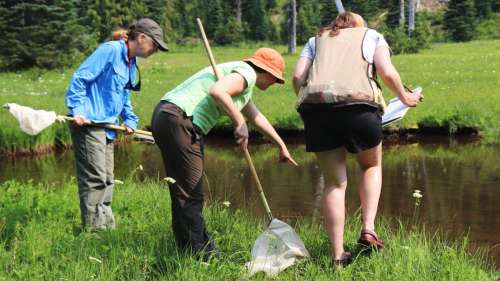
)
(343, 20)
(119, 34)
(132, 33)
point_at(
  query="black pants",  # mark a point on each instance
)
(181, 146)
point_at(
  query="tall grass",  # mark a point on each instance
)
(460, 82)
(40, 239)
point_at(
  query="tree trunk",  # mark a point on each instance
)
(292, 27)
(238, 11)
(401, 12)
(339, 5)
(411, 17)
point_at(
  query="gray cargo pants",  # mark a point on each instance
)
(94, 169)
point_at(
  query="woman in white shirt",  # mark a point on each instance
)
(341, 105)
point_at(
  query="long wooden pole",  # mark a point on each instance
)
(108, 126)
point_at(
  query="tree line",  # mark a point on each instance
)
(55, 33)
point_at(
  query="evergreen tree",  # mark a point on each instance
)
(284, 30)
(258, 21)
(184, 24)
(366, 8)
(101, 12)
(459, 19)
(214, 18)
(156, 9)
(328, 11)
(86, 19)
(422, 36)
(230, 32)
(130, 10)
(384, 4)
(271, 4)
(393, 13)
(167, 13)
(484, 8)
(112, 14)
(308, 21)
(39, 33)
(495, 6)
(222, 23)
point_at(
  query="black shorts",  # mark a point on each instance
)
(355, 127)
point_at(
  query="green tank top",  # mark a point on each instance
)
(193, 95)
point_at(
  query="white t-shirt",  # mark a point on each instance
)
(371, 42)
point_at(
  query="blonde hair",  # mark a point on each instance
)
(358, 20)
(119, 34)
(343, 20)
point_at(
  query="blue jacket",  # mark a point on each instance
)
(97, 89)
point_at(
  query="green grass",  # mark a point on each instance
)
(460, 82)
(40, 240)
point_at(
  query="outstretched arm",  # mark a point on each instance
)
(257, 119)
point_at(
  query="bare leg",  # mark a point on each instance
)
(370, 162)
(332, 164)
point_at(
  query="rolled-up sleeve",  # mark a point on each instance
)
(88, 71)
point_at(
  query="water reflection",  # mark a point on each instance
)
(460, 183)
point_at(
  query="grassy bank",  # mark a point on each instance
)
(40, 240)
(460, 82)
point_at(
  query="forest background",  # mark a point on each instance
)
(59, 33)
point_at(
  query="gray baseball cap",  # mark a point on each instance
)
(151, 29)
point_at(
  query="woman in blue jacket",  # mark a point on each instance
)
(99, 92)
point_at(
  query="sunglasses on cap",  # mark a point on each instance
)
(136, 86)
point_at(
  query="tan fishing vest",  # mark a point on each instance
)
(339, 74)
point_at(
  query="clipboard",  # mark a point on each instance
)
(396, 110)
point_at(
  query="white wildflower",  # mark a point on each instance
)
(169, 180)
(417, 194)
(118, 182)
(226, 203)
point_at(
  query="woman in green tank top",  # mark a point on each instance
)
(188, 112)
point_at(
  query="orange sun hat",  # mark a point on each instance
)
(269, 60)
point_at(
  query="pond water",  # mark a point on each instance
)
(460, 182)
